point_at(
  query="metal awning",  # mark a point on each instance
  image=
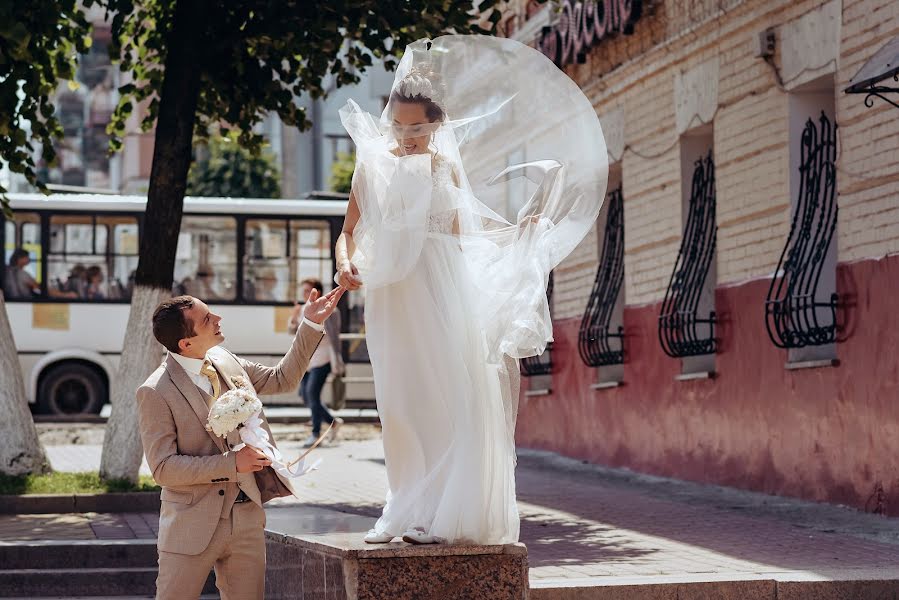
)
(879, 76)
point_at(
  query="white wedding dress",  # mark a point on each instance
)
(454, 271)
(450, 465)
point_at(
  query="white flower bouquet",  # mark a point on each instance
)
(239, 409)
(232, 410)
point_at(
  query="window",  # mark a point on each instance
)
(280, 254)
(23, 273)
(206, 258)
(311, 252)
(601, 334)
(92, 257)
(801, 307)
(354, 347)
(266, 264)
(687, 321)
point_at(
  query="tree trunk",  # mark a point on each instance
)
(20, 449)
(122, 449)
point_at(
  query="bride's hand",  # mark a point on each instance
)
(530, 220)
(348, 277)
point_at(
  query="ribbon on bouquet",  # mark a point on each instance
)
(253, 434)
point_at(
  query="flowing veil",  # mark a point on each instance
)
(528, 167)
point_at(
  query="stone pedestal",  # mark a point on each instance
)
(337, 565)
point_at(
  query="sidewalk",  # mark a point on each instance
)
(585, 525)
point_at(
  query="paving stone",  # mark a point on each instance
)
(586, 523)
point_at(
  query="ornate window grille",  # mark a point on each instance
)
(542, 364)
(873, 79)
(682, 330)
(794, 316)
(596, 338)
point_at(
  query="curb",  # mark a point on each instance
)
(123, 502)
(274, 419)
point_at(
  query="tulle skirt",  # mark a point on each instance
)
(450, 462)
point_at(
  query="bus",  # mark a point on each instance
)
(243, 257)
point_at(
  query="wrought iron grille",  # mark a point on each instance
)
(596, 338)
(794, 316)
(542, 364)
(682, 330)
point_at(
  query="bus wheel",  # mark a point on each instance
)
(71, 388)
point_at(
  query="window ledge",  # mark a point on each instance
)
(811, 364)
(605, 385)
(696, 375)
(540, 392)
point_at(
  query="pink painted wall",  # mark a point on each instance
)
(829, 434)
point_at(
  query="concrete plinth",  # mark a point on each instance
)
(315, 554)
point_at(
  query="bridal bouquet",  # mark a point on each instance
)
(231, 410)
(239, 409)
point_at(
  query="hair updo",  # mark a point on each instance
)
(422, 86)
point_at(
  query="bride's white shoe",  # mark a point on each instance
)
(373, 537)
(417, 535)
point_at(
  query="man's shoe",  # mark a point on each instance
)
(373, 537)
(309, 441)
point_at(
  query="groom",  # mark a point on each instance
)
(212, 497)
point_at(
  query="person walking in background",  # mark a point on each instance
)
(327, 359)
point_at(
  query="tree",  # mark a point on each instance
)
(199, 64)
(342, 172)
(38, 43)
(228, 170)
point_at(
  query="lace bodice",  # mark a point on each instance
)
(441, 221)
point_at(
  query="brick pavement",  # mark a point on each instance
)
(584, 524)
(80, 526)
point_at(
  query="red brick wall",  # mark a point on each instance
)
(828, 434)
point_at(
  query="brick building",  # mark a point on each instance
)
(752, 89)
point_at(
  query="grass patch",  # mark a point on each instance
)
(71, 483)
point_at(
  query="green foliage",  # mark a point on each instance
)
(39, 41)
(342, 172)
(70, 483)
(229, 170)
(257, 58)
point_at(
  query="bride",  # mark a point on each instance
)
(453, 246)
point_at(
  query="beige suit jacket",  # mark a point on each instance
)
(192, 465)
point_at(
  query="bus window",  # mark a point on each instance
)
(72, 252)
(311, 253)
(9, 230)
(22, 257)
(124, 254)
(206, 258)
(88, 259)
(266, 269)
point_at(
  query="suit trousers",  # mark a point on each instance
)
(236, 552)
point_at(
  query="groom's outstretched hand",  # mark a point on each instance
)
(318, 309)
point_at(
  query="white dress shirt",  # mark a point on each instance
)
(192, 366)
(323, 354)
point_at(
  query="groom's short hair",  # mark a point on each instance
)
(170, 324)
